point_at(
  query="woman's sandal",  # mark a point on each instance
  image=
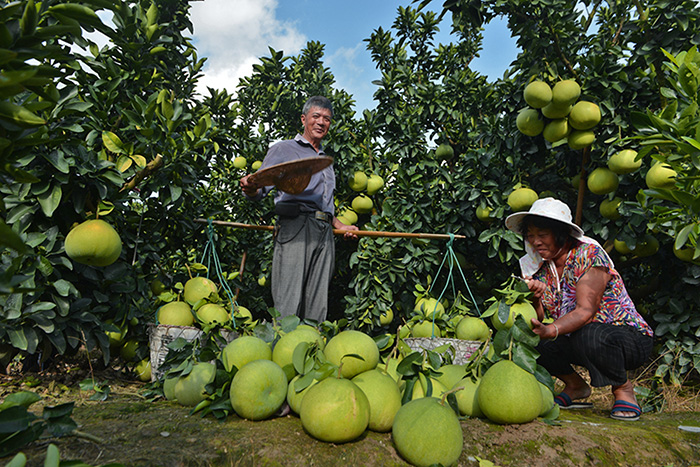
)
(623, 406)
(565, 402)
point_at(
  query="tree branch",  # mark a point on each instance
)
(148, 170)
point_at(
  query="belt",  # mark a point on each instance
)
(320, 215)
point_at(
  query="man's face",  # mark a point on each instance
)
(316, 123)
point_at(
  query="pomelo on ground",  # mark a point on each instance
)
(426, 432)
(175, 314)
(243, 350)
(529, 122)
(357, 181)
(190, 390)
(169, 388)
(243, 313)
(198, 288)
(520, 308)
(143, 370)
(384, 398)
(212, 313)
(128, 350)
(342, 345)
(283, 351)
(537, 94)
(584, 115)
(335, 411)
(258, 390)
(603, 181)
(450, 374)
(294, 398)
(609, 208)
(522, 198)
(508, 394)
(466, 398)
(426, 328)
(389, 366)
(471, 328)
(547, 399)
(94, 242)
(661, 176)
(623, 162)
(362, 204)
(565, 92)
(421, 389)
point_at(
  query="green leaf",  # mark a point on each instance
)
(10, 239)
(50, 200)
(112, 142)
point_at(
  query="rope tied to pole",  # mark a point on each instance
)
(210, 255)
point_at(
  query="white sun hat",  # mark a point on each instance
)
(549, 208)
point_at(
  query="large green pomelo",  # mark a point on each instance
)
(565, 93)
(335, 411)
(537, 94)
(243, 350)
(609, 208)
(175, 314)
(294, 398)
(579, 139)
(427, 306)
(212, 313)
(94, 242)
(169, 388)
(190, 390)
(584, 115)
(345, 343)
(198, 288)
(258, 390)
(362, 204)
(283, 351)
(647, 246)
(602, 181)
(553, 111)
(450, 374)
(384, 398)
(143, 370)
(425, 433)
(556, 130)
(547, 399)
(426, 329)
(525, 309)
(471, 328)
(420, 389)
(389, 366)
(444, 152)
(623, 162)
(466, 398)
(522, 198)
(128, 350)
(374, 184)
(661, 176)
(529, 122)
(357, 181)
(508, 394)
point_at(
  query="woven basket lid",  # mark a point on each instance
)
(291, 177)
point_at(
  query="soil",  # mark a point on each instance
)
(130, 430)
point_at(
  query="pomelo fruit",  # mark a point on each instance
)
(340, 346)
(621, 247)
(198, 288)
(128, 350)
(553, 111)
(243, 350)
(466, 398)
(383, 395)
(529, 122)
(537, 94)
(169, 388)
(623, 162)
(609, 208)
(426, 306)
(685, 253)
(374, 184)
(294, 398)
(426, 328)
(661, 176)
(579, 139)
(444, 152)
(602, 181)
(258, 390)
(143, 370)
(521, 199)
(240, 162)
(348, 214)
(648, 246)
(362, 204)
(335, 411)
(584, 115)
(508, 394)
(256, 165)
(420, 389)
(94, 242)
(426, 432)
(175, 314)
(556, 130)
(565, 93)
(521, 308)
(283, 351)
(212, 313)
(243, 313)
(386, 318)
(471, 328)
(483, 213)
(357, 181)
(547, 399)
(450, 374)
(389, 366)
(190, 390)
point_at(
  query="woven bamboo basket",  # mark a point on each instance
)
(163, 334)
(459, 350)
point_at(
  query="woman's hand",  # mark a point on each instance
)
(535, 286)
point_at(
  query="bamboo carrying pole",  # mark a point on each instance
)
(359, 233)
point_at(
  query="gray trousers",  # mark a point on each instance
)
(302, 266)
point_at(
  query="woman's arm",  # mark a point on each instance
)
(589, 293)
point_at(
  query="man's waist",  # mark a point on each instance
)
(287, 209)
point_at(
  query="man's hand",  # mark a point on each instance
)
(340, 226)
(249, 189)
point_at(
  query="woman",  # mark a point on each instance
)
(595, 322)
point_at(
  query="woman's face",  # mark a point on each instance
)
(543, 241)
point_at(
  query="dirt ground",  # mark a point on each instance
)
(132, 431)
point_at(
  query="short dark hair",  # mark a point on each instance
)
(561, 231)
(317, 101)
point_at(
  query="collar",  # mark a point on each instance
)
(299, 138)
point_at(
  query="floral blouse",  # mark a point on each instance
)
(616, 307)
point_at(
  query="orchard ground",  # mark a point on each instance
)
(128, 429)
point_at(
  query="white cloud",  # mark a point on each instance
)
(232, 34)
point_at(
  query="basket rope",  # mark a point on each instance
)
(210, 256)
(451, 259)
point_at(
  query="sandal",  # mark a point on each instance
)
(624, 406)
(565, 402)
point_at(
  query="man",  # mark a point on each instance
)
(304, 253)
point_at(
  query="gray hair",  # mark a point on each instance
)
(317, 101)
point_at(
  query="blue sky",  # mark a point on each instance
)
(233, 34)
